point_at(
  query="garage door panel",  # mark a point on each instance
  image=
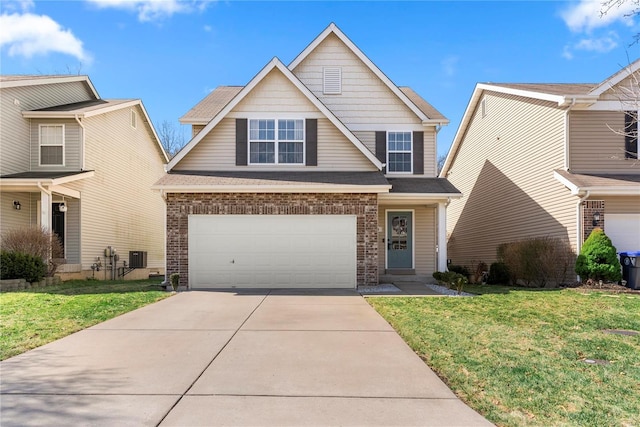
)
(624, 231)
(272, 251)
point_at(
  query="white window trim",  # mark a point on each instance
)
(276, 142)
(134, 119)
(40, 144)
(400, 151)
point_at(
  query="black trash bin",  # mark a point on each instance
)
(630, 262)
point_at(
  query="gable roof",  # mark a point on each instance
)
(15, 80)
(210, 106)
(275, 63)
(86, 109)
(333, 29)
(616, 78)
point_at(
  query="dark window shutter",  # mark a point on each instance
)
(418, 153)
(311, 135)
(631, 135)
(241, 142)
(381, 146)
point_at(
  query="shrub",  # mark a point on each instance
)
(174, 279)
(37, 242)
(451, 279)
(460, 269)
(598, 259)
(498, 274)
(537, 262)
(16, 265)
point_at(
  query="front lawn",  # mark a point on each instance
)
(520, 357)
(35, 317)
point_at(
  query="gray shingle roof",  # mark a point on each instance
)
(211, 104)
(422, 185)
(271, 178)
(601, 180)
(428, 109)
(42, 175)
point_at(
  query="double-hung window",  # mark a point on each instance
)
(274, 141)
(399, 152)
(52, 145)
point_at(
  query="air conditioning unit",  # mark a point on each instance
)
(138, 259)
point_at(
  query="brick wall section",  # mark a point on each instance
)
(589, 207)
(364, 206)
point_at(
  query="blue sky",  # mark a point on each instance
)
(171, 53)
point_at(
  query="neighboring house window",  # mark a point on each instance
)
(52, 145)
(631, 135)
(399, 152)
(332, 80)
(276, 141)
(134, 119)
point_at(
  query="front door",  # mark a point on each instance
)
(57, 223)
(399, 239)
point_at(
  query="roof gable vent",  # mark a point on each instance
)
(332, 81)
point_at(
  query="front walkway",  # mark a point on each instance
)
(270, 358)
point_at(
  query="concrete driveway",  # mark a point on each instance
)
(272, 358)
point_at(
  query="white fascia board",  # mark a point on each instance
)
(332, 28)
(81, 112)
(50, 80)
(616, 78)
(274, 63)
(420, 196)
(59, 189)
(523, 93)
(431, 122)
(273, 188)
(622, 105)
(466, 118)
(33, 182)
(564, 181)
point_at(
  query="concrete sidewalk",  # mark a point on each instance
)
(263, 358)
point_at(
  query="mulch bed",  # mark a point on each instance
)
(613, 288)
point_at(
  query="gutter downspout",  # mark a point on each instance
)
(566, 134)
(82, 167)
(579, 223)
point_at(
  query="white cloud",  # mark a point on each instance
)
(449, 64)
(587, 15)
(29, 34)
(151, 10)
(18, 5)
(208, 28)
(600, 45)
(566, 53)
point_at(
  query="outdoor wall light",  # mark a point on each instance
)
(16, 205)
(596, 218)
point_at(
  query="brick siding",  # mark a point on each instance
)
(363, 206)
(589, 207)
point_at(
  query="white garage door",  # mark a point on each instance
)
(272, 251)
(624, 231)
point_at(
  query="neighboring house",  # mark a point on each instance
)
(284, 183)
(538, 160)
(82, 167)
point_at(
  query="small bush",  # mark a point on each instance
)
(537, 262)
(498, 274)
(16, 265)
(37, 242)
(174, 279)
(598, 259)
(460, 269)
(451, 279)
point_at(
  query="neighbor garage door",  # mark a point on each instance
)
(624, 231)
(281, 251)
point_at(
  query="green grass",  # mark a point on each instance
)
(35, 317)
(517, 356)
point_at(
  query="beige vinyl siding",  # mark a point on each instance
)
(118, 208)
(627, 89)
(15, 139)
(365, 99)
(72, 145)
(11, 218)
(424, 237)
(595, 147)
(195, 129)
(504, 168)
(368, 138)
(620, 204)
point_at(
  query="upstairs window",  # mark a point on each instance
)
(332, 80)
(274, 141)
(399, 152)
(51, 145)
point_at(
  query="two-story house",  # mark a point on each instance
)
(536, 160)
(321, 173)
(82, 167)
